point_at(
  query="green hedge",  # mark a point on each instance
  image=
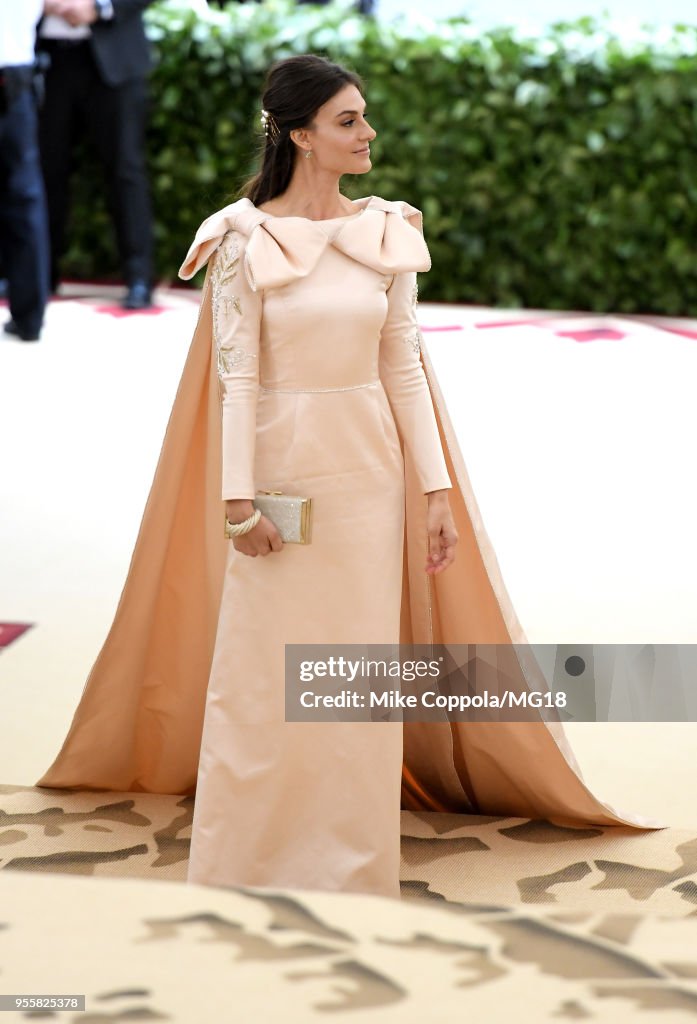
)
(557, 172)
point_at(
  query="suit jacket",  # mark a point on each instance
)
(119, 45)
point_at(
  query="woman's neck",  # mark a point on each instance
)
(310, 194)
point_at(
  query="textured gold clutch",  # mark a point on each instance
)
(290, 514)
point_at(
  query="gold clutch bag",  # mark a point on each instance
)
(290, 514)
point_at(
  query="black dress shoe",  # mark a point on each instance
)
(138, 296)
(12, 328)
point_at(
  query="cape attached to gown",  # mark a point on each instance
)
(139, 721)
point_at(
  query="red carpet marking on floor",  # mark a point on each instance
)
(9, 631)
(682, 331)
(511, 323)
(118, 311)
(551, 323)
(593, 334)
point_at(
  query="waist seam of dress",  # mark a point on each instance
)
(348, 387)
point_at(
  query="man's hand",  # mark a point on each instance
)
(75, 12)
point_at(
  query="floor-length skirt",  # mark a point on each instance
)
(307, 804)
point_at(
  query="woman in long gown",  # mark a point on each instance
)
(308, 341)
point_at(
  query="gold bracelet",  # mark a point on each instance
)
(238, 529)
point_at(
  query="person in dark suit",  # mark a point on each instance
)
(97, 81)
(23, 224)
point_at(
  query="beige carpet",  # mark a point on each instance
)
(503, 918)
(451, 857)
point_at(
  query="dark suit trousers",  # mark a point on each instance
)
(114, 118)
(23, 226)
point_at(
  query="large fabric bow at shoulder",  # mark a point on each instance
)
(385, 236)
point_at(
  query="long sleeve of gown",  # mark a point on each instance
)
(405, 383)
(236, 333)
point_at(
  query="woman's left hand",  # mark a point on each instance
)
(442, 535)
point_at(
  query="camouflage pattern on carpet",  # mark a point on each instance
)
(445, 857)
(503, 918)
(186, 954)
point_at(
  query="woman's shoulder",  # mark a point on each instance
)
(398, 206)
(240, 217)
(298, 242)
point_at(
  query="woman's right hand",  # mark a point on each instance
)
(262, 540)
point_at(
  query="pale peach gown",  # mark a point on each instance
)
(308, 333)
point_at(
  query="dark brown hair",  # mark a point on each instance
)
(295, 89)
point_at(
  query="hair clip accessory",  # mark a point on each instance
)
(268, 123)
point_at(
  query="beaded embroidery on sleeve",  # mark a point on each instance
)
(413, 338)
(225, 270)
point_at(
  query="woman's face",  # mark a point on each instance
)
(339, 136)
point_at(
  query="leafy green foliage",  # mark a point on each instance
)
(558, 172)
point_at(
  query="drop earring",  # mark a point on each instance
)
(308, 154)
